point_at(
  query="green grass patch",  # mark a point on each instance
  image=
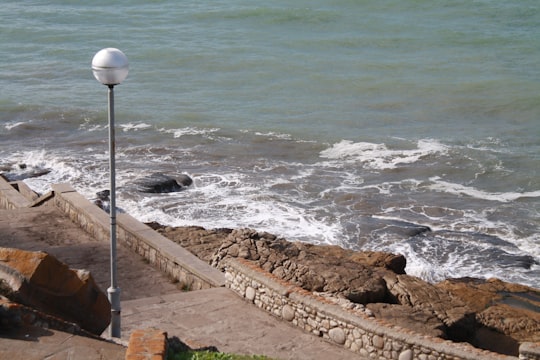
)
(209, 355)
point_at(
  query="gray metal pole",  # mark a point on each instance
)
(114, 290)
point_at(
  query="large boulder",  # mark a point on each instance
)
(509, 309)
(458, 318)
(40, 281)
(22, 171)
(162, 183)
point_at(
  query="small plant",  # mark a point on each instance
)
(186, 287)
(210, 355)
(178, 350)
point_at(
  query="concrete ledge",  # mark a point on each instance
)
(25, 190)
(147, 344)
(10, 198)
(167, 256)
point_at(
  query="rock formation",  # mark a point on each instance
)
(483, 313)
(161, 183)
(510, 310)
(40, 281)
(16, 172)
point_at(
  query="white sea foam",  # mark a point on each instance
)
(14, 125)
(189, 131)
(379, 156)
(230, 200)
(275, 135)
(61, 169)
(93, 127)
(134, 126)
(458, 189)
(464, 261)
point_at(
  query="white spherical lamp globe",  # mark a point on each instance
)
(110, 66)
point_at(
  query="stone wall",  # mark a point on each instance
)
(347, 324)
(167, 256)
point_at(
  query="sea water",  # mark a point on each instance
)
(406, 126)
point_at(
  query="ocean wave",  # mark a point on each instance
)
(274, 135)
(232, 200)
(134, 127)
(459, 189)
(14, 125)
(379, 156)
(439, 255)
(189, 131)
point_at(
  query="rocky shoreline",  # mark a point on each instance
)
(489, 314)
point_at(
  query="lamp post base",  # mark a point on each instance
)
(114, 299)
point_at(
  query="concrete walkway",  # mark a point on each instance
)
(218, 317)
(215, 317)
(39, 344)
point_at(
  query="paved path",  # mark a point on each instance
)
(218, 317)
(215, 317)
(47, 229)
(39, 344)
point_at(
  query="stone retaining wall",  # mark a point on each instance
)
(348, 325)
(167, 256)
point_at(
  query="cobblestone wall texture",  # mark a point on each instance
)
(349, 325)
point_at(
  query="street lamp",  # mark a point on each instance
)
(110, 67)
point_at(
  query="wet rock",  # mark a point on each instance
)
(161, 183)
(22, 171)
(103, 195)
(103, 200)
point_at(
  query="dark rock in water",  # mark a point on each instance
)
(103, 195)
(525, 261)
(405, 229)
(161, 183)
(396, 229)
(103, 199)
(22, 171)
(184, 180)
